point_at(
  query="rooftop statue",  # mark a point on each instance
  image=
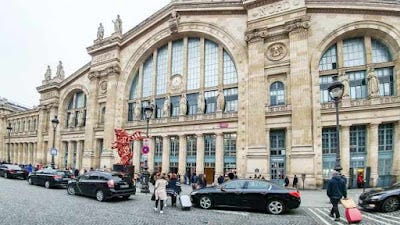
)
(47, 75)
(100, 32)
(118, 25)
(60, 70)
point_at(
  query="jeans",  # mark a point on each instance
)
(335, 209)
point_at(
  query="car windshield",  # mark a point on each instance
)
(13, 167)
(63, 173)
(117, 177)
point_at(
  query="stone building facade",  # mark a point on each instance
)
(236, 85)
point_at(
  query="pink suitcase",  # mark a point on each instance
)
(353, 215)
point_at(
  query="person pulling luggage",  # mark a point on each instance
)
(335, 191)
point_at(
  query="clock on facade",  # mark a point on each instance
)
(176, 81)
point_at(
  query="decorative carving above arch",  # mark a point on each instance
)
(276, 51)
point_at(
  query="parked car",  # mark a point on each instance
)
(255, 194)
(49, 178)
(381, 199)
(102, 185)
(12, 171)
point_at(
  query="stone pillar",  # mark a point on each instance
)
(165, 154)
(219, 155)
(40, 148)
(396, 151)
(345, 149)
(200, 154)
(30, 153)
(79, 153)
(136, 156)
(150, 159)
(70, 153)
(182, 156)
(91, 112)
(372, 152)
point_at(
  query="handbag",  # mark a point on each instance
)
(153, 197)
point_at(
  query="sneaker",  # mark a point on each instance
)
(155, 209)
(337, 219)
(161, 212)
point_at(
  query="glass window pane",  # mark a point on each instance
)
(147, 71)
(277, 93)
(134, 86)
(386, 84)
(277, 142)
(193, 80)
(162, 58)
(211, 64)
(354, 52)
(230, 75)
(328, 60)
(177, 57)
(211, 101)
(231, 100)
(380, 53)
(357, 82)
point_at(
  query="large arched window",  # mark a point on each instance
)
(192, 68)
(76, 111)
(277, 93)
(358, 61)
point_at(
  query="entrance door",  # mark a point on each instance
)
(357, 163)
(278, 171)
(209, 172)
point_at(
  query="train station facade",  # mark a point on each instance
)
(235, 85)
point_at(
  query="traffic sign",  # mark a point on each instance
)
(145, 149)
(53, 151)
(145, 142)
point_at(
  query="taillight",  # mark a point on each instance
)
(12, 171)
(72, 176)
(110, 183)
(295, 194)
(57, 177)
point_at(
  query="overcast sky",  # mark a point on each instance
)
(37, 33)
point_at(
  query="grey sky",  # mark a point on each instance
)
(37, 33)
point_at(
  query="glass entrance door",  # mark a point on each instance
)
(278, 171)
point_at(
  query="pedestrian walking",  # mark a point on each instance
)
(160, 192)
(286, 181)
(295, 181)
(335, 191)
(221, 179)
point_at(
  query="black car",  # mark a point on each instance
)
(255, 194)
(12, 171)
(381, 199)
(49, 178)
(102, 185)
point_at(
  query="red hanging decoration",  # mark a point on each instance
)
(122, 144)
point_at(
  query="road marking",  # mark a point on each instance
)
(383, 217)
(328, 211)
(376, 220)
(232, 212)
(322, 219)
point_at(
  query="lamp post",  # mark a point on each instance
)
(148, 112)
(54, 122)
(336, 92)
(9, 128)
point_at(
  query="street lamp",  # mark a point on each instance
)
(54, 122)
(336, 92)
(9, 128)
(148, 112)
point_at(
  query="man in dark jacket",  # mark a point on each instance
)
(335, 191)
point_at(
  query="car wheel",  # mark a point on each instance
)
(126, 197)
(70, 190)
(100, 195)
(47, 184)
(205, 202)
(30, 181)
(391, 204)
(275, 207)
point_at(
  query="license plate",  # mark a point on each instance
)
(124, 186)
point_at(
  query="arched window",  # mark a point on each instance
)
(198, 74)
(354, 68)
(277, 93)
(76, 111)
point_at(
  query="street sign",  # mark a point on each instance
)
(144, 157)
(145, 149)
(53, 151)
(145, 142)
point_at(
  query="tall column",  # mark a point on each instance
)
(79, 153)
(372, 152)
(165, 154)
(182, 156)
(70, 153)
(35, 151)
(136, 156)
(40, 148)
(396, 151)
(150, 159)
(345, 149)
(219, 155)
(200, 154)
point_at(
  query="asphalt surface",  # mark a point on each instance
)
(24, 204)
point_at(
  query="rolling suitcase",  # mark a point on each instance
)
(185, 202)
(353, 215)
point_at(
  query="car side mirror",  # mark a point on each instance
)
(223, 188)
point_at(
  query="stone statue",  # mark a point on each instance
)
(200, 104)
(100, 32)
(71, 122)
(220, 101)
(183, 105)
(60, 70)
(118, 25)
(346, 87)
(166, 108)
(373, 83)
(137, 110)
(81, 119)
(47, 75)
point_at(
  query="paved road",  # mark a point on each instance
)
(23, 204)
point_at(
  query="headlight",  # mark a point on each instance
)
(376, 197)
(193, 193)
